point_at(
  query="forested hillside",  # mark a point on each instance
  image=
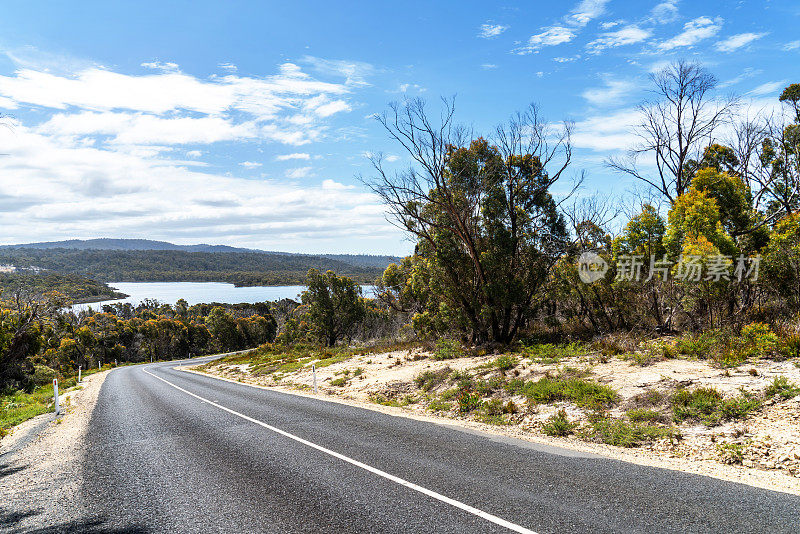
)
(240, 268)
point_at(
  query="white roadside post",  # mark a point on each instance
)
(55, 395)
(99, 365)
(314, 372)
(79, 374)
(115, 362)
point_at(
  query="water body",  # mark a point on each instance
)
(199, 292)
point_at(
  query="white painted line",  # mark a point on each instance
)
(430, 493)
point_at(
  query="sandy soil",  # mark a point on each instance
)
(40, 462)
(769, 438)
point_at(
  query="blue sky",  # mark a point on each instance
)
(246, 123)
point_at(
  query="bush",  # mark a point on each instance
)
(645, 415)
(582, 392)
(447, 349)
(758, 340)
(339, 382)
(708, 406)
(468, 401)
(699, 345)
(731, 453)
(547, 353)
(621, 433)
(782, 387)
(559, 424)
(428, 380)
(789, 345)
(504, 363)
(43, 375)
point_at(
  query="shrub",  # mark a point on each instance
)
(782, 387)
(758, 340)
(437, 405)
(645, 415)
(582, 392)
(447, 349)
(699, 345)
(547, 353)
(428, 380)
(621, 433)
(708, 406)
(504, 363)
(789, 346)
(468, 401)
(731, 453)
(493, 407)
(559, 424)
(339, 382)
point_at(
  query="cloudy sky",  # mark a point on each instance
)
(247, 123)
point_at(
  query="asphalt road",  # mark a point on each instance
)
(171, 451)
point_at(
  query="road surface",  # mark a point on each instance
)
(171, 451)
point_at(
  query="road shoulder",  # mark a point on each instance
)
(41, 462)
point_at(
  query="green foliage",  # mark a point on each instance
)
(468, 400)
(339, 382)
(334, 305)
(758, 340)
(708, 406)
(621, 433)
(731, 453)
(582, 392)
(429, 380)
(640, 415)
(559, 424)
(438, 405)
(546, 353)
(447, 349)
(239, 268)
(782, 387)
(504, 363)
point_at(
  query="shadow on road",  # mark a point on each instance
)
(92, 525)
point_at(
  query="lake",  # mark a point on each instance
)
(198, 292)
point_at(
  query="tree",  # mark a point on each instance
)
(488, 230)
(675, 126)
(334, 305)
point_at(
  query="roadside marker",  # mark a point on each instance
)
(410, 485)
(79, 373)
(314, 372)
(55, 395)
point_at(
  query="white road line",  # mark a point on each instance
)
(430, 493)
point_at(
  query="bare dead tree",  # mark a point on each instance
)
(675, 127)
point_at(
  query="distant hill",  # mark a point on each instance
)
(358, 260)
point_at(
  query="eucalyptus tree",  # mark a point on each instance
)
(486, 226)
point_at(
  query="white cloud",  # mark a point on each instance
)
(769, 88)
(551, 36)
(194, 153)
(612, 92)
(299, 172)
(146, 129)
(576, 19)
(693, 32)
(162, 66)
(665, 12)
(606, 132)
(250, 164)
(737, 41)
(566, 59)
(326, 110)
(230, 67)
(296, 155)
(586, 11)
(488, 66)
(794, 45)
(624, 36)
(488, 31)
(406, 87)
(58, 189)
(354, 72)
